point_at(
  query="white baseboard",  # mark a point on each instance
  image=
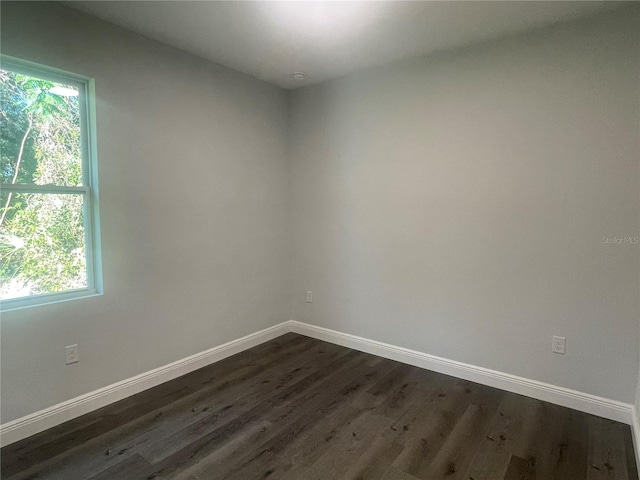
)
(602, 407)
(635, 432)
(28, 425)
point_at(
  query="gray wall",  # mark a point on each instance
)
(456, 204)
(194, 205)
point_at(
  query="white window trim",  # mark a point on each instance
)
(89, 188)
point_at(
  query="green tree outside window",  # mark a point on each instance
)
(42, 234)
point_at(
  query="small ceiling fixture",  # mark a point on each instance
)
(298, 75)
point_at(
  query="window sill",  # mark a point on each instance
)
(46, 299)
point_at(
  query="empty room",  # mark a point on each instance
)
(316, 240)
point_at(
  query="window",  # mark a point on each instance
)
(49, 242)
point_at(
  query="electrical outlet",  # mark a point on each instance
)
(558, 345)
(309, 296)
(71, 354)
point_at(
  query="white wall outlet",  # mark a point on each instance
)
(558, 345)
(309, 296)
(71, 354)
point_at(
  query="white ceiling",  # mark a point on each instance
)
(271, 40)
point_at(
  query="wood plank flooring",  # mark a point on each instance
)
(296, 408)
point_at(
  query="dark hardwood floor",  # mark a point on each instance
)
(296, 408)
